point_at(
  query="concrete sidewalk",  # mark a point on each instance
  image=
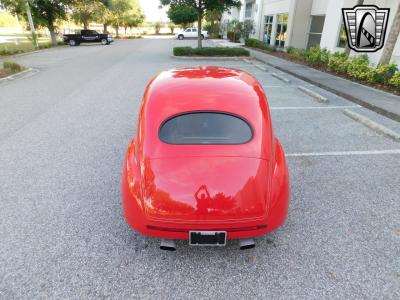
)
(379, 101)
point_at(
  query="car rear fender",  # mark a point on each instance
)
(280, 196)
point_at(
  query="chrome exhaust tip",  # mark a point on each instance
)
(168, 245)
(246, 244)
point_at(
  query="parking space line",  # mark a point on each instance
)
(312, 107)
(344, 153)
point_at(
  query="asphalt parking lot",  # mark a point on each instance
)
(63, 133)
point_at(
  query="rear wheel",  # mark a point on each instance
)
(72, 43)
(104, 42)
(181, 37)
(202, 37)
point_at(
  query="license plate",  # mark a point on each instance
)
(207, 238)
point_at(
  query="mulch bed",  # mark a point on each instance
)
(322, 68)
(4, 73)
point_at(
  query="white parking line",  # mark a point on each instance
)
(344, 153)
(312, 107)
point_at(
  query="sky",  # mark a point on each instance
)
(152, 12)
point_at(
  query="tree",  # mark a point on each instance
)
(45, 13)
(214, 17)
(104, 15)
(202, 6)
(171, 27)
(132, 19)
(392, 39)
(182, 15)
(86, 11)
(157, 27)
(119, 9)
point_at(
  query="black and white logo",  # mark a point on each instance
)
(366, 27)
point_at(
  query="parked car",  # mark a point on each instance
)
(191, 33)
(87, 36)
(205, 165)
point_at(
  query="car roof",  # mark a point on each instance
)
(204, 88)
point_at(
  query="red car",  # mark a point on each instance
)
(205, 165)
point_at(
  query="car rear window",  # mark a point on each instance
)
(205, 128)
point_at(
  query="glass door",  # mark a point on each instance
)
(269, 20)
(281, 30)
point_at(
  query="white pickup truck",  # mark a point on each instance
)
(191, 33)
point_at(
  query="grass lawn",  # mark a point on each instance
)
(23, 46)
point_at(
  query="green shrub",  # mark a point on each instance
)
(395, 80)
(338, 62)
(359, 67)
(313, 55)
(233, 36)
(210, 51)
(325, 56)
(382, 73)
(12, 67)
(296, 53)
(254, 43)
(316, 56)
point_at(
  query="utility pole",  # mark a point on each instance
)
(31, 25)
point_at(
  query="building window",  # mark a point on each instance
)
(281, 29)
(342, 40)
(316, 28)
(248, 10)
(269, 20)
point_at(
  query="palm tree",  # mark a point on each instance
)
(392, 39)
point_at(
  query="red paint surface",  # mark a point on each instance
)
(171, 189)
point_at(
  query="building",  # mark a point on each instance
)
(306, 23)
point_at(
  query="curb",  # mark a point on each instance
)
(313, 94)
(339, 93)
(372, 125)
(14, 76)
(234, 58)
(247, 60)
(4, 57)
(265, 69)
(280, 78)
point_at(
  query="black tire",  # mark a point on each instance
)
(180, 37)
(202, 37)
(72, 43)
(104, 42)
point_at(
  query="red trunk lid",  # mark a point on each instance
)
(205, 189)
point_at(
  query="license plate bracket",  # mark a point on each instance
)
(207, 238)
